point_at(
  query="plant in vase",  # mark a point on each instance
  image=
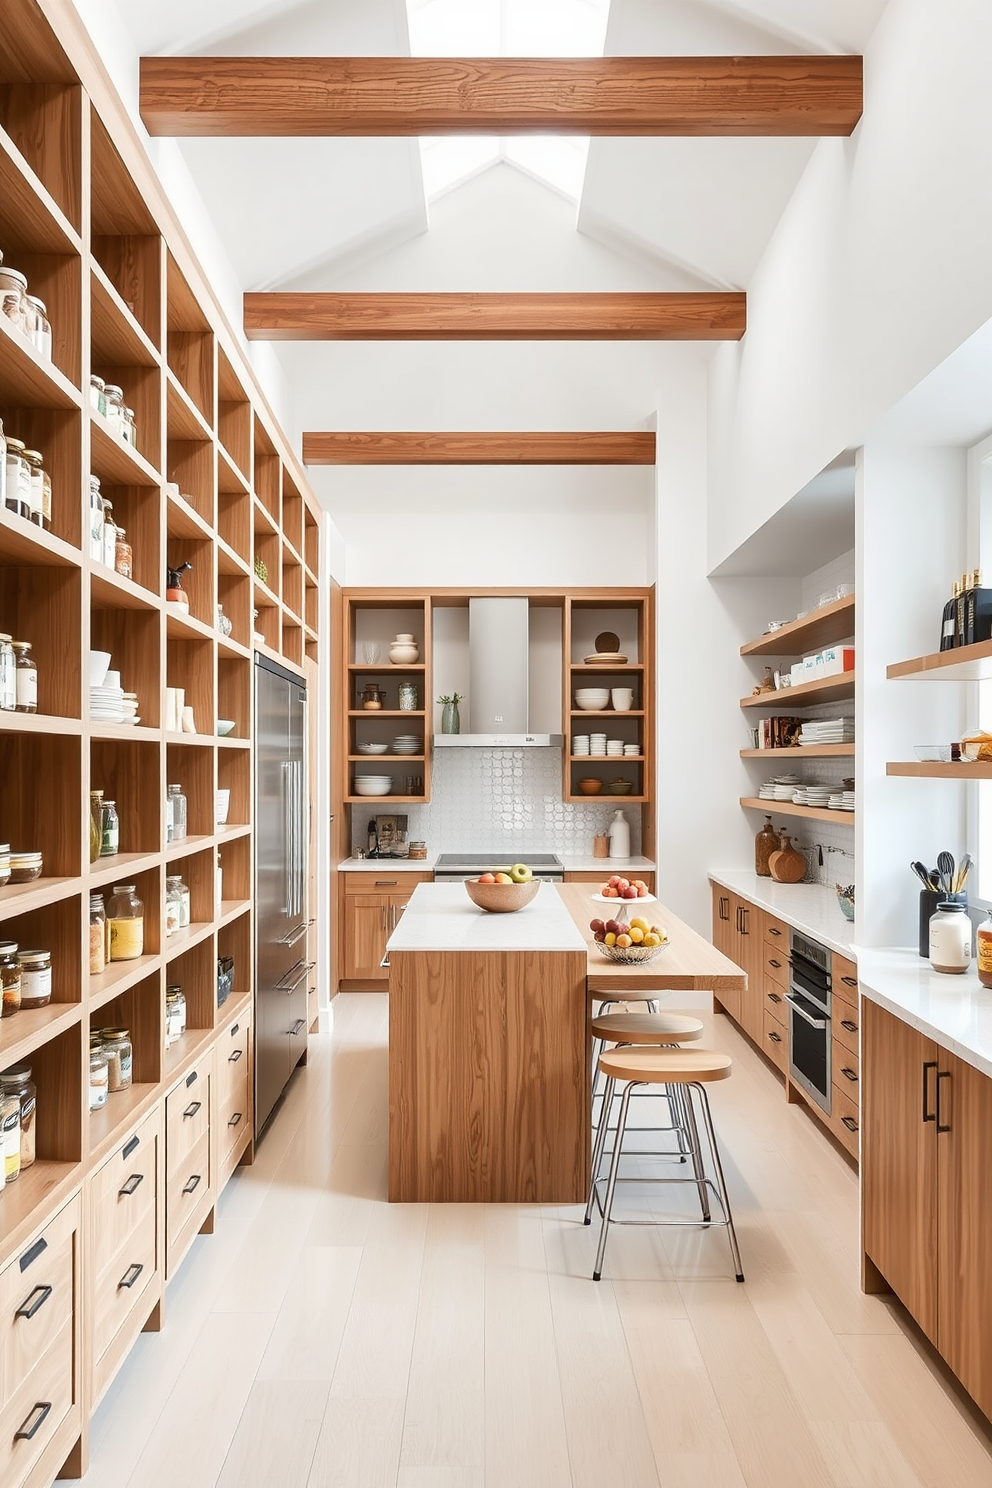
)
(450, 721)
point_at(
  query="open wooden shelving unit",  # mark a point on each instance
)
(631, 617)
(82, 214)
(960, 664)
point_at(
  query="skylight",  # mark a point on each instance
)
(506, 28)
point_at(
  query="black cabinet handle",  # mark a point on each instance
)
(724, 909)
(850, 1123)
(235, 1119)
(773, 931)
(28, 1308)
(130, 1276)
(776, 1038)
(929, 1064)
(745, 920)
(191, 1183)
(233, 1058)
(130, 1147)
(773, 962)
(191, 1079)
(32, 1253)
(846, 1023)
(235, 1029)
(27, 1432)
(849, 981)
(131, 1186)
(849, 1074)
(192, 1109)
(774, 997)
(941, 1075)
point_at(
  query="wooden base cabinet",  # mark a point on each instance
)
(372, 906)
(738, 931)
(189, 1191)
(927, 1191)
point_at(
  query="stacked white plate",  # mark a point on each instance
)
(813, 795)
(614, 748)
(107, 704)
(828, 731)
(779, 788)
(129, 706)
(373, 785)
(597, 744)
(408, 744)
(842, 801)
(634, 749)
(580, 743)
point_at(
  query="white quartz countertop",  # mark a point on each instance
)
(955, 1011)
(389, 865)
(811, 908)
(586, 863)
(441, 917)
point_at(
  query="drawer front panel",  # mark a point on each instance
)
(35, 1410)
(846, 1072)
(122, 1283)
(232, 1061)
(775, 1042)
(845, 979)
(187, 1117)
(846, 1027)
(381, 885)
(845, 1119)
(777, 934)
(775, 1003)
(123, 1190)
(187, 1190)
(36, 1299)
(776, 964)
(234, 1119)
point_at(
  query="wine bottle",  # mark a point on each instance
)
(947, 619)
(978, 621)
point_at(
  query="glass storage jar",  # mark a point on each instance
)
(25, 677)
(173, 905)
(175, 814)
(10, 977)
(109, 552)
(123, 556)
(130, 428)
(36, 978)
(110, 830)
(17, 1084)
(37, 325)
(96, 824)
(10, 1136)
(46, 501)
(8, 675)
(99, 1079)
(175, 1014)
(98, 935)
(126, 917)
(118, 1051)
(13, 288)
(4, 864)
(950, 938)
(96, 520)
(3, 466)
(36, 488)
(184, 904)
(115, 408)
(98, 395)
(18, 497)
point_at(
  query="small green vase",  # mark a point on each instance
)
(450, 721)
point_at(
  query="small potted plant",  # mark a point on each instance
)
(450, 721)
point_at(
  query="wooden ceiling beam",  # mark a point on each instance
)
(393, 96)
(302, 316)
(611, 447)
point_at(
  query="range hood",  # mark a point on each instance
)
(498, 641)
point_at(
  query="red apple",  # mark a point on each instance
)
(613, 927)
(596, 925)
(600, 936)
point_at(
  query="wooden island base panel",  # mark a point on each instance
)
(489, 1041)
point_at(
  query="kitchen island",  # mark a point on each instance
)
(489, 1041)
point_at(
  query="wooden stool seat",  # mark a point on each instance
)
(646, 1028)
(665, 1066)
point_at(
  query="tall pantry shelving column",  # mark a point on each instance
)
(117, 1196)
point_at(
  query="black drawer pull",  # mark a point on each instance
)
(774, 997)
(28, 1308)
(27, 1432)
(849, 981)
(191, 1079)
(131, 1186)
(849, 1074)
(32, 1253)
(773, 931)
(130, 1276)
(846, 1023)
(235, 1029)
(776, 1038)
(850, 1123)
(233, 1058)
(235, 1119)
(129, 1147)
(192, 1109)
(191, 1183)
(773, 962)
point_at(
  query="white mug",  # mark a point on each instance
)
(623, 699)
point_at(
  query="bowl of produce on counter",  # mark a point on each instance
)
(619, 887)
(503, 890)
(628, 942)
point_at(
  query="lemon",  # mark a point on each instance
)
(610, 938)
(636, 934)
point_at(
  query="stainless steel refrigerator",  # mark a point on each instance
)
(281, 815)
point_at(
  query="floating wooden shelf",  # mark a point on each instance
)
(121, 868)
(939, 770)
(112, 591)
(962, 664)
(789, 808)
(22, 542)
(786, 699)
(38, 723)
(826, 626)
(387, 667)
(120, 338)
(18, 899)
(184, 419)
(813, 751)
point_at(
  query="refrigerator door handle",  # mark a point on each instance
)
(287, 834)
(295, 935)
(294, 971)
(293, 985)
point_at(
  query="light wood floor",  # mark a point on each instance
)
(325, 1339)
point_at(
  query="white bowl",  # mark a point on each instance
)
(373, 788)
(592, 703)
(225, 726)
(98, 668)
(373, 748)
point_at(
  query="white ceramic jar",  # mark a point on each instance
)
(950, 938)
(403, 650)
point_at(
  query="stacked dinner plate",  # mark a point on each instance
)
(107, 705)
(813, 795)
(597, 744)
(828, 731)
(408, 744)
(842, 801)
(373, 785)
(580, 743)
(779, 788)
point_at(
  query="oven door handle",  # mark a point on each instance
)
(819, 1023)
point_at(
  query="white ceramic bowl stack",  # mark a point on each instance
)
(597, 745)
(580, 744)
(109, 703)
(373, 785)
(592, 699)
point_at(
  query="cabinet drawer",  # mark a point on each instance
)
(187, 1117)
(845, 979)
(233, 1119)
(775, 1003)
(388, 881)
(188, 1197)
(777, 934)
(33, 1412)
(845, 1071)
(845, 1024)
(124, 1188)
(775, 1042)
(232, 1060)
(36, 1301)
(845, 1118)
(122, 1282)
(776, 964)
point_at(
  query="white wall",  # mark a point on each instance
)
(877, 271)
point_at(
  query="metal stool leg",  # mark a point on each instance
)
(612, 1181)
(721, 1181)
(696, 1153)
(599, 1146)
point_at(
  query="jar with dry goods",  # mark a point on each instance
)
(99, 1079)
(25, 677)
(13, 288)
(36, 497)
(96, 520)
(175, 814)
(123, 556)
(184, 902)
(10, 1136)
(950, 938)
(4, 864)
(175, 1014)
(37, 326)
(173, 906)
(98, 395)
(36, 978)
(98, 935)
(10, 977)
(126, 917)
(96, 824)
(765, 843)
(115, 407)
(17, 497)
(17, 1084)
(117, 1048)
(8, 675)
(109, 554)
(129, 430)
(110, 830)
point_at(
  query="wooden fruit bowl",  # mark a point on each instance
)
(497, 898)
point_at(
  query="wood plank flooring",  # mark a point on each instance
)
(323, 1338)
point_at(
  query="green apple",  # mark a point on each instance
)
(520, 873)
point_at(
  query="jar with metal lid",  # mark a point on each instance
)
(36, 488)
(184, 903)
(8, 675)
(950, 938)
(18, 1084)
(115, 408)
(38, 326)
(46, 501)
(126, 916)
(3, 466)
(175, 814)
(175, 1014)
(173, 906)
(10, 977)
(117, 1048)
(130, 428)
(13, 288)
(25, 677)
(36, 978)
(98, 395)
(18, 484)
(109, 553)
(10, 1135)
(96, 520)
(96, 824)
(4, 864)
(123, 556)
(110, 831)
(98, 935)
(99, 1079)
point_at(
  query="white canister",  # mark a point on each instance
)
(623, 699)
(950, 938)
(619, 834)
(403, 650)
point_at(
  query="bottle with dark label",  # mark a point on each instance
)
(961, 609)
(947, 620)
(978, 619)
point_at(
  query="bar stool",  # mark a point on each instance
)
(688, 1071)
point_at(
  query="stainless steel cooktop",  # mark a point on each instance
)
(469, 862)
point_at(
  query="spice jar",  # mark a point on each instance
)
(96, 824)
(10, 977)
(98, 935)
(115, 408)
(175, 1014)
(118, 1052)
(175, 814)
(130, 428)
(96, 520)
(123, 556)
(8, 675)
(36, 489)
(126, 917)
(10, 1135)
(25, 867)
(99, 1079)
(17, 486)
(110, 830)
(36, 978)
(46, 501)
(173, 906)
(98, 395)
(25, 677)
(109, 551)
(13, 288)
(184, 903)
(950, 938)
(38, 326)
(18, 1085)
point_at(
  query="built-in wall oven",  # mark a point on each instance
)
(809, 1018)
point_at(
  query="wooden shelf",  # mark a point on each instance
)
(826, 626)
(121, 868)
(39, 723)
(185, 939)
(386, 668)
(371, 713)
(230, 562)
(232, 833)
(18, 899)
(229, 741)
(183, 521)
(23, 542)
(118, 977)
(27, 1029)
(185, 848)
(230, 479)
(183, 419)
(384, 759)
(605, 713)
(186, 627)
(789, 808)
(231, 910)
(602, 670)
(962, 664)
(801, 751)
(28, 380)
(186, 1051)
(264, 597)
(786, 699)
(111, 591)
(120, 338)
(43, 226)
(136, 731)
(232, 648)
(606, 759)
(939, 770)
(40, 1189)
(117, 463)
